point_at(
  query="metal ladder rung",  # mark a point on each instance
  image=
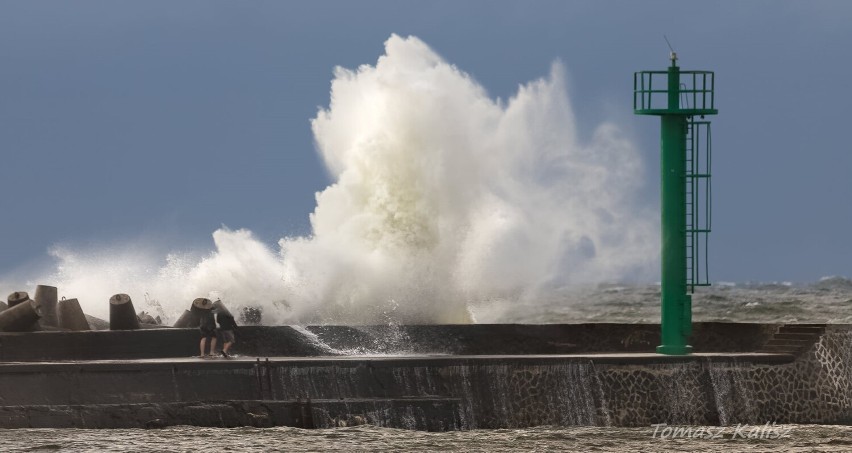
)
(697, 166)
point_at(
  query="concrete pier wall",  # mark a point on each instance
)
(438, 392)
(426, 414)
(474, 339)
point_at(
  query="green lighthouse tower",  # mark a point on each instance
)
(678, 98)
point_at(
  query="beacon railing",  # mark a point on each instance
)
(696, 93)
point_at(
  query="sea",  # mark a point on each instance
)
(828, 300)
(796, 438)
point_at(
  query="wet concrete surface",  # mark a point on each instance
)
(624, 358)
(279, 341)
(418, 377)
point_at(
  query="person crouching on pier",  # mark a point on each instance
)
(208, 330)
(227, 326)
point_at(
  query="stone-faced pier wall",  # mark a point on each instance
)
(438, 392)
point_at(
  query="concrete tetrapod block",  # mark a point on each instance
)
(21, 317)
(3, 305)
(122, 316)
(202, 304)
(219, 307)
(147, 319)
(46, 296)
(188, 319)
(17, 297)
(202, 307)
(97, 323)
(70, 315)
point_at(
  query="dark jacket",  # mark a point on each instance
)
(226, 322)
(207, 322)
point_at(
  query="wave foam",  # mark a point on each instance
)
(443, 197)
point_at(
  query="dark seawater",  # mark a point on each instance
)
(826, 301)
(800, 438)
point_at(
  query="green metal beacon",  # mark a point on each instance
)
(678, 99)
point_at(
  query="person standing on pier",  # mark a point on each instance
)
(208, 330)
(227, 326)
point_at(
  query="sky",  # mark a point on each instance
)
(157, 122)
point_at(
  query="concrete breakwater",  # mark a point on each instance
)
(473, 339)
(610, 380)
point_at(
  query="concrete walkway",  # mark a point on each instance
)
(421, 359)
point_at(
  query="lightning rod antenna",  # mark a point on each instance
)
(673, 54)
